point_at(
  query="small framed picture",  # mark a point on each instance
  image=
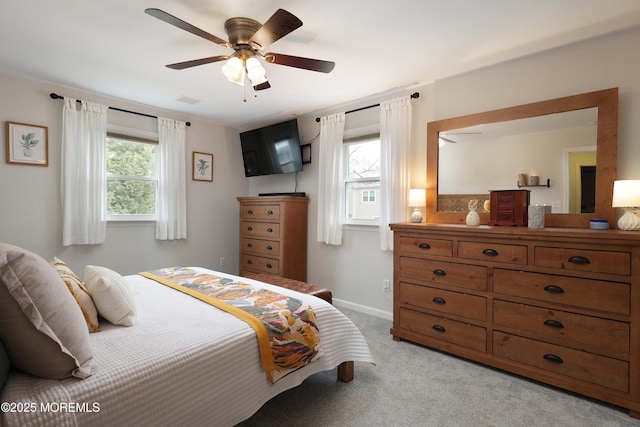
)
(27, 144)
(202, 167)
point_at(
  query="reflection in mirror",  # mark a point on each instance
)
(562, 165)
(557, 147)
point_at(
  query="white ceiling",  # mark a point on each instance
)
(112, 47)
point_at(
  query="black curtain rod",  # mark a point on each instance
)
(56, 96)
(413, 96)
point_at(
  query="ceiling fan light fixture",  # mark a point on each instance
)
(234, 71)
(255, 71)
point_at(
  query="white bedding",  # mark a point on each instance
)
(183, 363)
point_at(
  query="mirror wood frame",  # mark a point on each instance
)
(606, 157)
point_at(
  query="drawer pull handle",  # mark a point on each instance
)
(424, 246)
(250, 212)
(553, 324)
(249, 245)
(490, 252)
(269, 248)
(439, 272)
(269, 266)
(270, 230)
(250, 228)
(553, 289)
(552, 358)
(269, 212)
(439, 300)
(579, 260)
(249, 262)
(439, 328)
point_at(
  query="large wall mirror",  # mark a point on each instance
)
(569, 143)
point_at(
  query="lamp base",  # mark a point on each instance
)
(416, 216)
(630, 220)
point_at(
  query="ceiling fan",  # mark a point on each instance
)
(247, 38)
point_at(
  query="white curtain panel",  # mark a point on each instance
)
(331, 180)
(172, 202)
(395, 146)
(84, 134)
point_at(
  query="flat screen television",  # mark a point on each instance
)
(272, 149)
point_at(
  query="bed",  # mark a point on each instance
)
(184, 362)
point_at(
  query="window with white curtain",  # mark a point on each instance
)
(362, 180)
(132, 178)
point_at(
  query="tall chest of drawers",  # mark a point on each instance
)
(273, 235)
(558, 305)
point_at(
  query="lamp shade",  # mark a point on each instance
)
(417, 197)
(626, 193)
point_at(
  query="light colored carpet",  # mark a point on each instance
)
(415, 386)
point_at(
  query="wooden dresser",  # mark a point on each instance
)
(273, 235)
(558, 305)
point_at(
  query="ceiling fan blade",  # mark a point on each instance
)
(177, 22)
(262, 86)
(299, 62)
(279, 25)
(196, 62)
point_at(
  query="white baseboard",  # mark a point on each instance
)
(363, 309)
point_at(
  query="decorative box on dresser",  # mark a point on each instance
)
(558, 305)
(273, 235)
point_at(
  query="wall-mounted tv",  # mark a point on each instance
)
(272, 149)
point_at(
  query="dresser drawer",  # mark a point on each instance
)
(426, 246)
(511, 254)
(446, 302)
(259, 264)
(578, 331)
(270, 212)
(260, 247)
(443, 272)
(584, 260)
(260, 229)
(451, 331)
(585, 366)
(584, 293)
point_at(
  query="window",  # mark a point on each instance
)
(369, 196)
(132, 181)
(362, 180)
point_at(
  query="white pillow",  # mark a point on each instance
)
(111, 294)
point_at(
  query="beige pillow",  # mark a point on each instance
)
(111, 294)
(79, 292)
(41, 327)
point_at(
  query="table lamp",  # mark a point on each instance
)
(417, 199)
(626, 194)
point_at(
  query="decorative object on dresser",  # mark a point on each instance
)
(535, 215)
(558, 305)
(417, 200)
(473, 219)
(509, 207)
(626, 194)
(273, 235)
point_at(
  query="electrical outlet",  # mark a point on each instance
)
(386, 285)
(223, 261)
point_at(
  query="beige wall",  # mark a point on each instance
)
(356, 270)
(30, 207)
(30, 196)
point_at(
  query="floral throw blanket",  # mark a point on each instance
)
(288, 336)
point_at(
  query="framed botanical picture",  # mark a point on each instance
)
(202, 167)
(27, 144)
